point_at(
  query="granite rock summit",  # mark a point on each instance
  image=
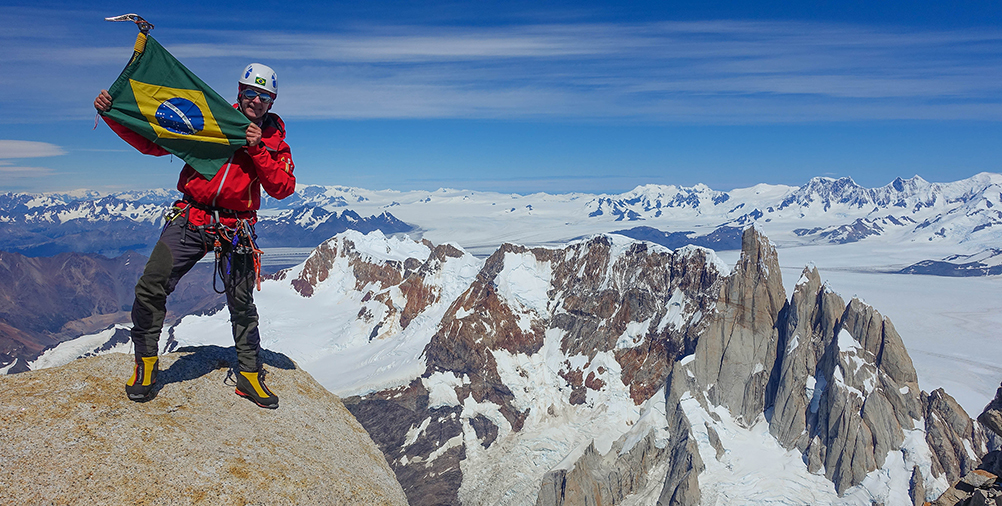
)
(70, 436)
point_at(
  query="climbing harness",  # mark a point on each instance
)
(240, 241)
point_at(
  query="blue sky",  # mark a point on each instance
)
(533, 96)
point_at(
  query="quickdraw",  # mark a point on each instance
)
(242, 241)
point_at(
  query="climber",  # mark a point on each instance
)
(217, 214)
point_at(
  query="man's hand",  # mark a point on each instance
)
(253, 135)
(103, 101)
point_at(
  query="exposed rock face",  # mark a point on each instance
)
(734, 358)
(422, 445)
(991, 416)
(840, 385)
(733, 361)
(70, 436)
(594, 316)
(681, 487)
(976, 488)
(846, 384)
(958, 444)
(602, 479)
(916, 490)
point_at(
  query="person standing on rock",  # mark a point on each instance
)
(217, 214)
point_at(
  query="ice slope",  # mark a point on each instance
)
(555, 434)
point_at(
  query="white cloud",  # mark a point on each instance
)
(685, 71)
(10, 149)
(18, 172)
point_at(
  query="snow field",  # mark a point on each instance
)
(756, 471)
(68, 351)
(484, 220)
(556, 433)
(324, 334)
(523, 283)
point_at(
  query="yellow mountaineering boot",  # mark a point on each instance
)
(251, 385)
(140, 386)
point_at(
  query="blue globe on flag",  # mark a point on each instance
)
(181, 116)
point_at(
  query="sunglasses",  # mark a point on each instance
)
(265, 97)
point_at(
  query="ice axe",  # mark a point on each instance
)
(144, 26)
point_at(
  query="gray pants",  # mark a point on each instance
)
(177, 251)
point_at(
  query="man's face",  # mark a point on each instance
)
(254, 108)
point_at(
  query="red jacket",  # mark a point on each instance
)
(237, 185)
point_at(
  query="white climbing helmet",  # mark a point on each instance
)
(260, 76)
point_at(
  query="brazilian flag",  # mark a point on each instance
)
(160, 99)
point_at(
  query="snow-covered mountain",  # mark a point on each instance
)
(527, 360)
(985, 263)
(932, 220)
(923, 220)
(609, 370)
(87, 222)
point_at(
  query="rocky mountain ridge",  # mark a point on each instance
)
(613, 370)
(831, 380)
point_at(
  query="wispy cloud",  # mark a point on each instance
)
(721, 71)
(704, 72)
(15, 150)
(12, 149)
(10, 171)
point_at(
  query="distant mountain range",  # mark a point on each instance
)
(951, 229)
(945, 219)
(111, 225)
(925, 224)
(48, 300)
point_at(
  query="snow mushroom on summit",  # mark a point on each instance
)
(219, 214)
